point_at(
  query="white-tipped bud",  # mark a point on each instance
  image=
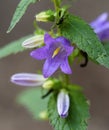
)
(34, 41)
(27, 79)
(48, 84)
(63, 103)
(45, 16)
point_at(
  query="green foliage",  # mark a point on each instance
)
(80, 33)
(102, 59)
(78, 111)
(20, 10)
(106, 46)
(31, 99)
(13, 47)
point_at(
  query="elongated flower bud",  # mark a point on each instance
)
(27, 79)
(34, 41)
(45, 16)
(63, 103)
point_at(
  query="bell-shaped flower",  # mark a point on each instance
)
(101, 26)
(34, 41)
(27, 79)
(63, 103)
(56, 52)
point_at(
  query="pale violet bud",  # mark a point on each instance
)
(45, 16)
(34, 41)
(27, 79)
(63, 103)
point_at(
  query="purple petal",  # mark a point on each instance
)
(65, 66)
(48, 40)
(50, 66)
(99, 20)
(63, 103)
(66, 44)
(104, 35)
(51, 49)
(40, 53)
(28, 79)
(102, 28)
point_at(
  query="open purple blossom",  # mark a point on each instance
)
(101, 26)
(63, 103)
(27, 79)
(56, 52)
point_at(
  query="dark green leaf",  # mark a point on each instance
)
(106, 46)
(13, 47)
(31, 99)
(20, 10)
(80, 33)
(78, 112)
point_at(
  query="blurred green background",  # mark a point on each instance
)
(94, 78)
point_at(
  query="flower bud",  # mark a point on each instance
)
(43, 115)
(48, 84)
(63, 103)
(27, 79)
(45, 16)
(34, 41)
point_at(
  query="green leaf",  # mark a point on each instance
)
(106, 46)
(31, 99)
(20, 10)
(13, 47)
(80, 33)
(78, 112)
(104, 60)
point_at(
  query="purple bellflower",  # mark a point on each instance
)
(27, 79)
(56, 52)
(101, 26)
(63, 103)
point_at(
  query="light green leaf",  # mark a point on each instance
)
(78, 112)
(13, 47)
(103, 60)
(20, 10)
(80, 33)
(31, 99)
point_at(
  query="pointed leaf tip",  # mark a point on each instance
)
(19, 12)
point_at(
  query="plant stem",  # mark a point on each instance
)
(66, 79)
(56, 4)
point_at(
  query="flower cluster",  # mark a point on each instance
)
(55, 52)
